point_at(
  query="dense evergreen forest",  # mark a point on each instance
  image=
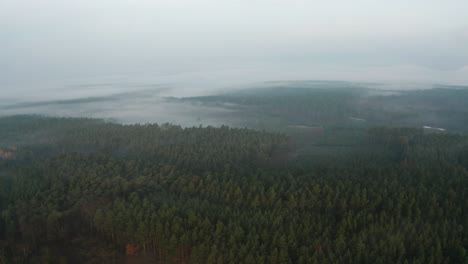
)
(331, 103)
(328, 190)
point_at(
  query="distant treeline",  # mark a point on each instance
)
(299, 104)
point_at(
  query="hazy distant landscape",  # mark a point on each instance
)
(253, 106)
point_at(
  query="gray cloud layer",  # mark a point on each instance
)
(253, 40)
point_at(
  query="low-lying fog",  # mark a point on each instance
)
(137, 107)
(142, 98)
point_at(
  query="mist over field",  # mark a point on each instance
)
(145, 98)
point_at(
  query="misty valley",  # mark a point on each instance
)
(283, 172)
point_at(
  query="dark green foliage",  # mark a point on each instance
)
(334, 103)
(221, 195)
(278, 107)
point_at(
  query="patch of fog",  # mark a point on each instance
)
(127, 108)
(377, 92)
(357, 119)
(388, 87)
(434, 128)
(306, 127)
(139, 98)
(70, 91)
(176, 83)
(125, 99)
(219, 79)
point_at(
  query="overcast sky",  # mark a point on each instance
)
(401, 40)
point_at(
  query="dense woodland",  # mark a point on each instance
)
(331, 103)
(89, 191)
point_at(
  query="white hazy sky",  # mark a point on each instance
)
(396, 40)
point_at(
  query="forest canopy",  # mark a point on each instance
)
(86, 190)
